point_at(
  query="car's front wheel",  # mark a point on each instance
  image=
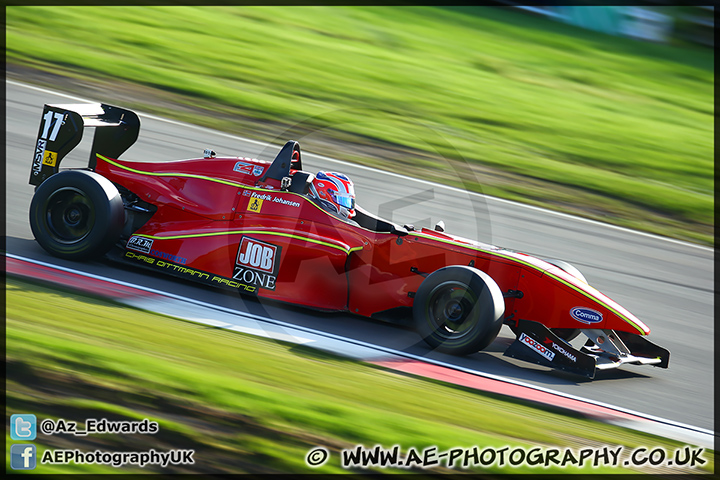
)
(458, 310)
(77, 215)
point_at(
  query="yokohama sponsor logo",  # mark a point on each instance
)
(537, 346)
(560, 349)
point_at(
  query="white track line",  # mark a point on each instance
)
(685, 428)
(384, 172)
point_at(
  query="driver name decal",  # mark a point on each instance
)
(271, 198)
(257, 263)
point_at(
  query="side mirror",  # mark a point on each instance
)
(440, 226)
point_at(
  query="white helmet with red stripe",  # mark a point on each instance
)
(335, 192)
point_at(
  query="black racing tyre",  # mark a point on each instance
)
(458, 310)
(77, 215)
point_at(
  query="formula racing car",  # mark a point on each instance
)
(252, 226)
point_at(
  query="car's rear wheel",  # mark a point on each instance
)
(77, 215)
(458, 310)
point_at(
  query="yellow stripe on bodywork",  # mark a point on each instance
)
(173, 174)
(211, 179)
(234, 184)
(347, 250)
(527, 264)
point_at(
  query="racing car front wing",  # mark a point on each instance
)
(604, 349)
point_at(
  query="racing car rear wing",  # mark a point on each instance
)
(61, 129)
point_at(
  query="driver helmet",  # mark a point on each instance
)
(335, 192)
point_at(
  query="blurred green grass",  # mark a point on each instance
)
(245, 404)
(619, 129)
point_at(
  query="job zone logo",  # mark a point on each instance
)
(537, 346)
(257, 263)
(586, 315)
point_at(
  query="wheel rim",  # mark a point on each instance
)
(449, 308)
(70, 215)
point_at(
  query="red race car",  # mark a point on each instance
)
(272, 230)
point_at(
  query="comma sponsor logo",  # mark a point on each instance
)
(535, 345)
(140, 244)
(586, 315)
(257, 263)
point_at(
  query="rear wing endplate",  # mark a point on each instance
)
(61, 129)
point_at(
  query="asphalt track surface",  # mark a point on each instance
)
(667, 284)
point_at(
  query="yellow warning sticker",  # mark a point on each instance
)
(255, 205)
(50, 158)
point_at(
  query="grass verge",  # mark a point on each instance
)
(540, 111)
(245, 404)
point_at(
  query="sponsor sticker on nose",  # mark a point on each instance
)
(586, 315)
